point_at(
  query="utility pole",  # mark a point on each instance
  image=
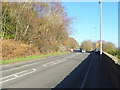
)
(100, 2)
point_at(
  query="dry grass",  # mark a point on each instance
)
(12, 49)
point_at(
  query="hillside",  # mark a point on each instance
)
(12, 49)
(35, 28)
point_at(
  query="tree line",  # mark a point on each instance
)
(44, 24)
(108, 47)
(90, 45)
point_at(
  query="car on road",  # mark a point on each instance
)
(96, 50)
(83, 51)
(70, 50)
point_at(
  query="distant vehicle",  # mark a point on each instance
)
(96, 50)
(70, 50)
(83, 51)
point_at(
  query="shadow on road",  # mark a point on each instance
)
(75, 78)
(97, 77)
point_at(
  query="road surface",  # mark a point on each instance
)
(43, 73)
(72, 70)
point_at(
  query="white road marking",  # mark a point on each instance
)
(59, 61)
(21, 67)
(36, 63)
(26, 72)
(53, 62)
(16, 75)
(44, 65)
(12, 75)
(33, 70)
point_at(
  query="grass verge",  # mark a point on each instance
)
(33, 57)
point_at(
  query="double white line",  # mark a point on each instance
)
(16, 75)
(26, 72)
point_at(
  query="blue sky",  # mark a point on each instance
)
(86, 20)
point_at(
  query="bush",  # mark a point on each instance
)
(115, 53)
(12, 49)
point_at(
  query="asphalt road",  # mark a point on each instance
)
(43, 73)
(91, 73)
(72, 70)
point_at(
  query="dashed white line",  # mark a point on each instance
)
(35, 63)
(25, 72)
(21, 67)
(58, 61)
(12, 75)
(16, 75)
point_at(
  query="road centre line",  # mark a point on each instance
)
(12, 75)
(54, 62)
(37, 63)
(26, 72)
(22, 66)
(16, 76)
(1, 66)
(20, 63)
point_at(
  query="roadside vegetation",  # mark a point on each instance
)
(115, 53)
(108, 47)
(33, 57)
(34, 29)
(89, 45)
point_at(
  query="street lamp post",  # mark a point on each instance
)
(100, 2)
